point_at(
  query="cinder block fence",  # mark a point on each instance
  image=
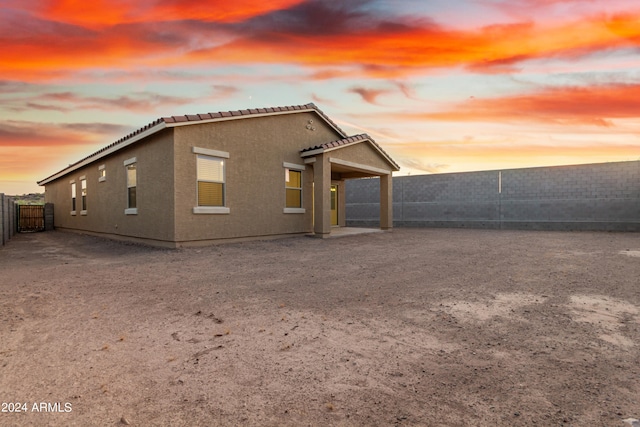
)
(602, 196)
(7, 219)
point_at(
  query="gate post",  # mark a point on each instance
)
(2, 213)
(15, 219)
(48, 216)
(13, 229)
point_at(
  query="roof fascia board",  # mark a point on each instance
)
(108, 151)
(359, 167)
(311, 153)
(327, 150)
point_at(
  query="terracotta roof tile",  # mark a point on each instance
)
(172, 120)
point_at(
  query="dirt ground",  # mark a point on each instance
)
(429, 327)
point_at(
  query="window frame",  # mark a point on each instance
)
(296, 168)
(131, 210)
(74, 198)
(102, 173)
(215, 154)
(83, 195)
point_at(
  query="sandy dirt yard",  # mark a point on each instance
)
(429, 327)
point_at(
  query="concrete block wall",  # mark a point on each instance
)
(581, 197)
(7, 218)
(48, 217)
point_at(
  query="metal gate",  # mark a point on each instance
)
(30, 217)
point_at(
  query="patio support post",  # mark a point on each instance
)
(342, 203)
(322, 196)
(386, 202)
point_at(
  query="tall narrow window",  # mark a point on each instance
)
(102, 173)
(293, 188)
(211, 179)
(73, 198)
(132, 184)
(83, 195)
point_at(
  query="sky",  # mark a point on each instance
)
(442, 85)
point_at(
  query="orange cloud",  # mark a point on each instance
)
(14, 133)
(27, 148)
(69, 35)
(594, 105)
(418, 45)
(143, 102)
(368, 95)
(103, 13)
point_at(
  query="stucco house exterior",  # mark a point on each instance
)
(199, 179)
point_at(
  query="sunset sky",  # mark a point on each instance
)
(441, 85)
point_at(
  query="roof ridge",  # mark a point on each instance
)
(249, 112)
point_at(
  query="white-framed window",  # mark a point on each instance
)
(211, 188)
(102, 173)
(73, 197)
(293, 188)
(83, 195)
(132, 185)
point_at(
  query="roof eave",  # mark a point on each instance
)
(97, 156)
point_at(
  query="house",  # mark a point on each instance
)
(197, 179)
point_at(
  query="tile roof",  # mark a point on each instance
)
(220, 115)
(328, 146)
(173, 121)
(247, 113)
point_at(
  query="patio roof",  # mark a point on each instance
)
(351, 140)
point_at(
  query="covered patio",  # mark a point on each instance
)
(335, 162)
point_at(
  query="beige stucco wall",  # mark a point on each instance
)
(107, 200)
(255, 176)
(167, 182)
